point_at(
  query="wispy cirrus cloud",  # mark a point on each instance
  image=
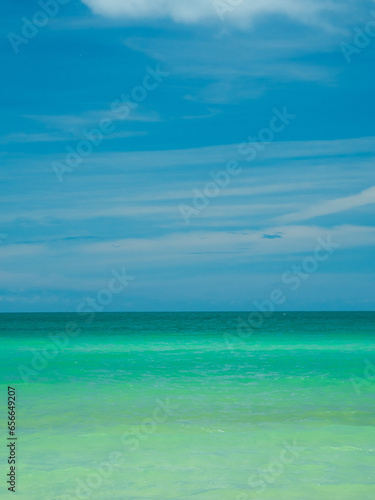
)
(21, 137)
(195, 247)
(70, 127)
(234, 68)
(196, 11)
(90, 118)
(366, 197)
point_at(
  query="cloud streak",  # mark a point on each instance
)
(366, 197)
(195, 11)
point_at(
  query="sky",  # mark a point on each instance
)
(207, 150)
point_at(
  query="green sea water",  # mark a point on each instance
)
(189, 406)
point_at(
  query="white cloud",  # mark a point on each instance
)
(201, 247)
(234, 67)
(219, 155)
(75, 123)
(71, 127)
(21, 137)
(366, 197)
(193, 11)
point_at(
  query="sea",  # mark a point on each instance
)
(200, 406)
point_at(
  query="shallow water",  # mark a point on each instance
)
(185, 406)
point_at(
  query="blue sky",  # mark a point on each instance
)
(221, 72)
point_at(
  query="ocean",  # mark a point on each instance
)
(201, 406)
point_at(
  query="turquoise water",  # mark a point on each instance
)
(184, 406)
